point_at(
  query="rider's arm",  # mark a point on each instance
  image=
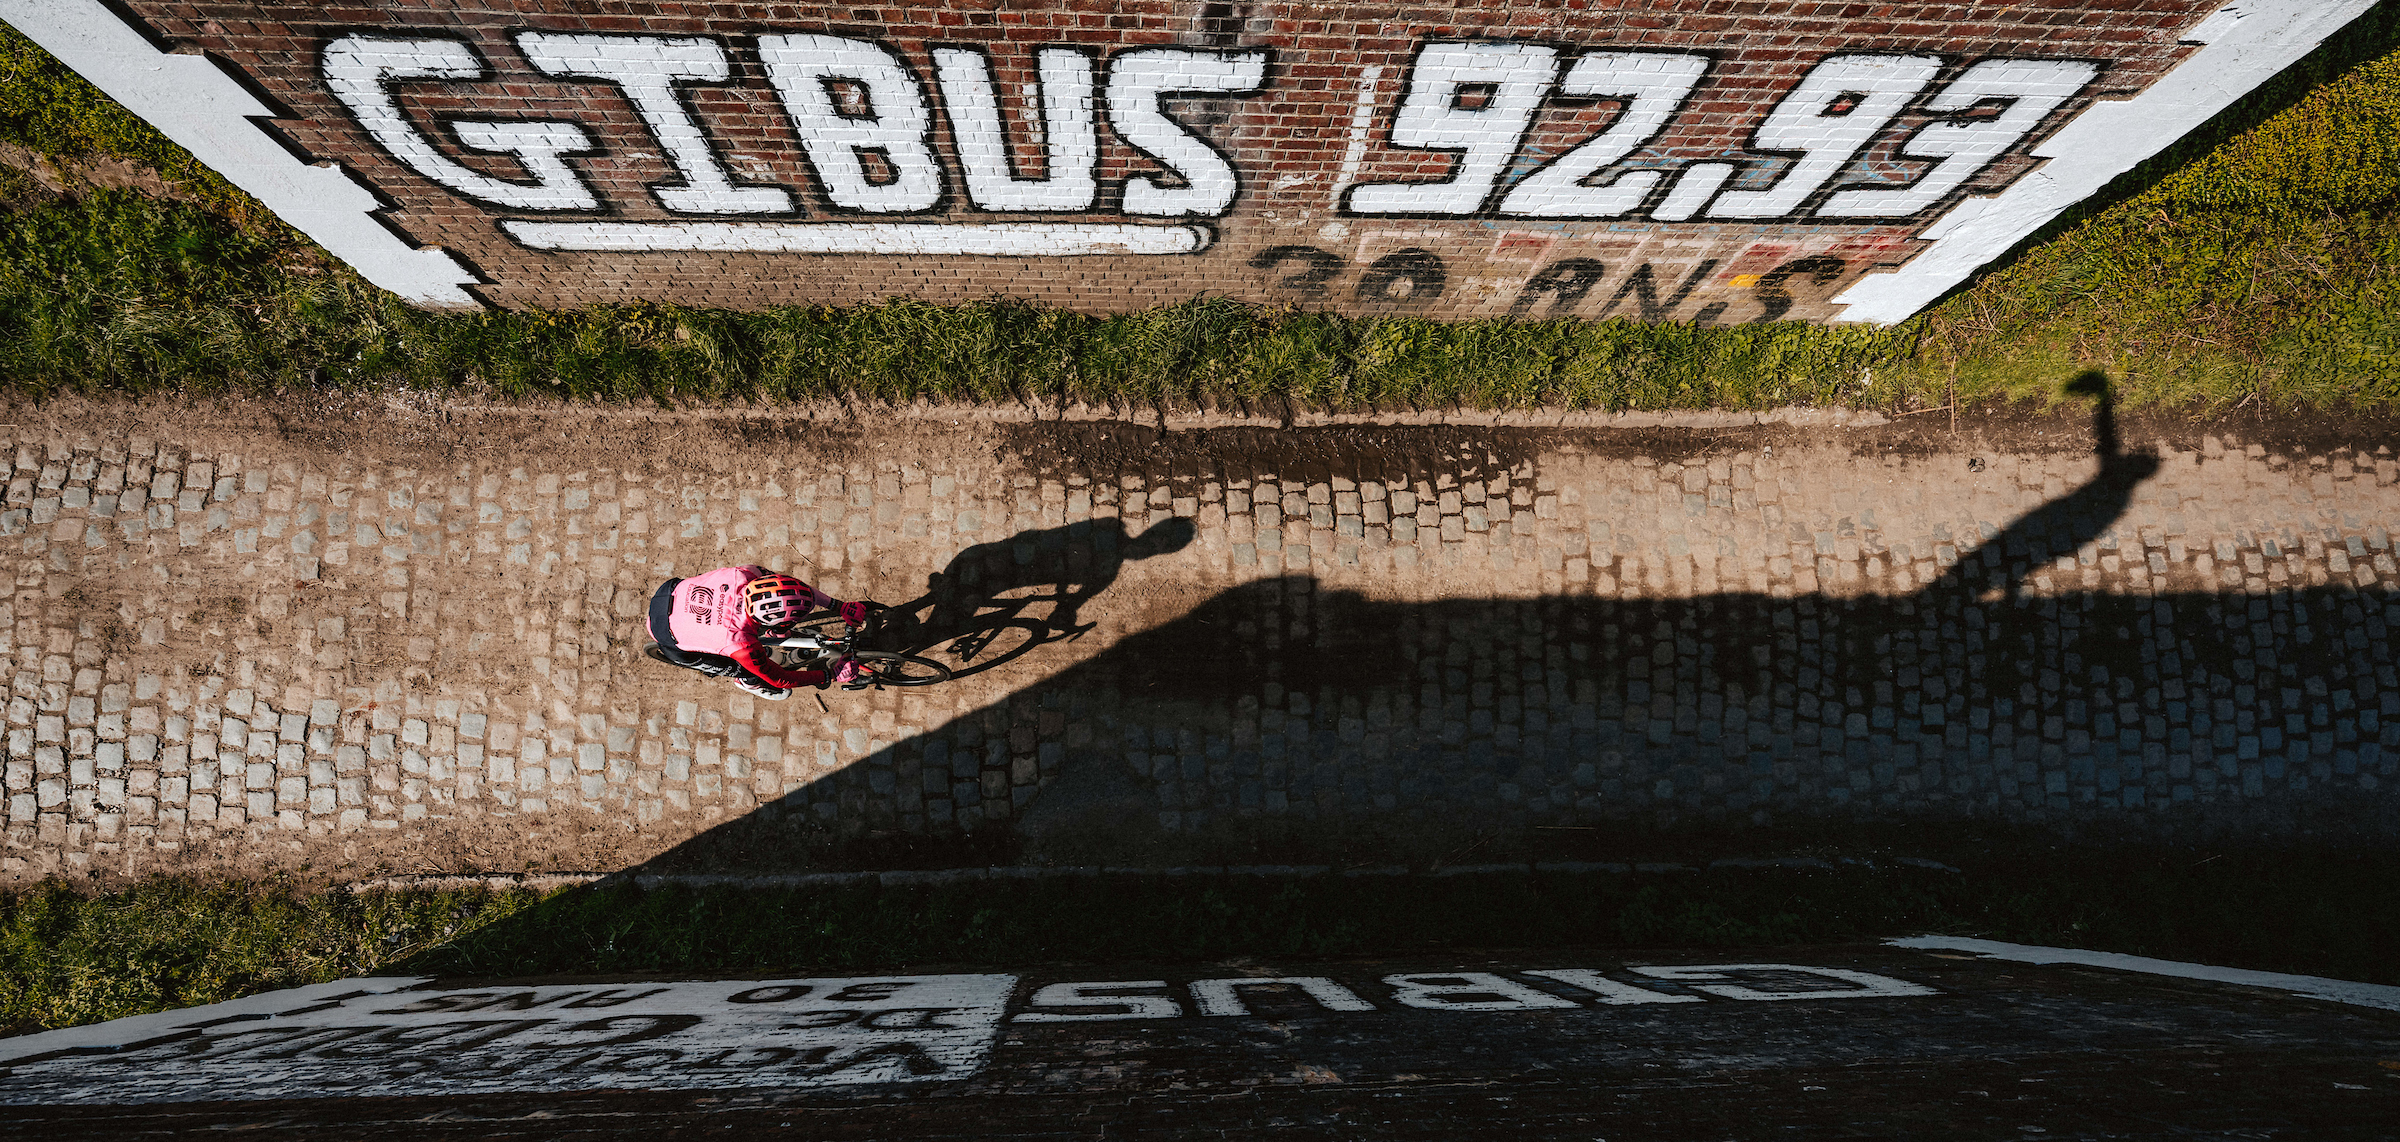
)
(756, 660)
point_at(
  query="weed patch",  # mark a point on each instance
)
(68, 958)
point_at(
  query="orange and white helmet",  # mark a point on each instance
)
(775, 600)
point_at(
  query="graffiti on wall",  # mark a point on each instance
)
(1676, 166)
(865, 121)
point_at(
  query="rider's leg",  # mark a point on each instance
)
(720, 666)
(713, 665)
(759, 686)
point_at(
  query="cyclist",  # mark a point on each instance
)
(717, 624)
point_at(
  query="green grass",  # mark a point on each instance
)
(2254, 263)
(46, 107)
(110, 291)
(67, 959)
(2265, 267)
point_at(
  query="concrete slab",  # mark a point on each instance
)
(1827, 1042)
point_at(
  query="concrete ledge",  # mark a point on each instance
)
(898, 878)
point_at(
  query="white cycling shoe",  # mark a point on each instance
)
(763, 690)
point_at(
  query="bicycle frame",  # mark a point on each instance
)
(819, 647)
(815, 644)
(830, 646)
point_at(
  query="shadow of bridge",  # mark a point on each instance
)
(1283, 721)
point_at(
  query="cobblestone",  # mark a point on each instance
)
(235, 651)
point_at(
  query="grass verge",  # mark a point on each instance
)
(2253, 264)
(67, 959)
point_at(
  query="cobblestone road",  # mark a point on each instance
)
(406, 640)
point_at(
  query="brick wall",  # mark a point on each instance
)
(787, 117)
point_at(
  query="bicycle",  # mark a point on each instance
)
(822, 639)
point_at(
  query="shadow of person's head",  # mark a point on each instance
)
(2089, 383)
(2094, 384)
(2118, 468)
(1162, 538)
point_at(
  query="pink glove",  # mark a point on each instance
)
(854, 614)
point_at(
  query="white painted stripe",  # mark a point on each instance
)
(2304, 986)
(2247, 43)
(1867, 983)
(993, 239)
(192, 101)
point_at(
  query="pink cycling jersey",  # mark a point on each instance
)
(710, 617)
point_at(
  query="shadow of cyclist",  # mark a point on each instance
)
(982, 587)
(2064, 525)
(1163, 751)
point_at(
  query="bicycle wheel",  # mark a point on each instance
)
(888, 668)
(981, 650)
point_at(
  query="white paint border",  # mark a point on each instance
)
(996, 239)
(2247, 43)
(205, 111)
(2305, 986)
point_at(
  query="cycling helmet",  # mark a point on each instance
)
(777, 599)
